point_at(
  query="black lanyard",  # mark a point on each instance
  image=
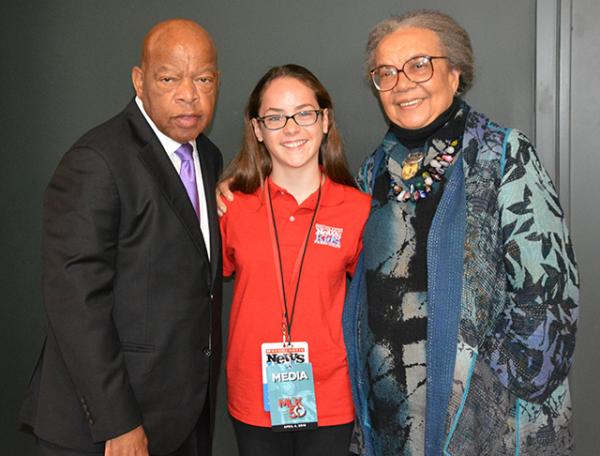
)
(287, 317)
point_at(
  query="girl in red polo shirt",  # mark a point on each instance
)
(291, 235)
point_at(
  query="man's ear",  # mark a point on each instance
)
(137, 78)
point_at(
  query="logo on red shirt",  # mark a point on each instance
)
(328, 235)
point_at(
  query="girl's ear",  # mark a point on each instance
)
(325, 115)
(257, 130)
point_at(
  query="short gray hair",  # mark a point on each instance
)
(454, 40)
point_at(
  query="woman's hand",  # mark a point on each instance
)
(223, 191)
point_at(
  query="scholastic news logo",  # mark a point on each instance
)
(328, 235)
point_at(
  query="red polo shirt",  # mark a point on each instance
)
(332, 252)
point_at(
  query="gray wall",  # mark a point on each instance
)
(567, 122)
(66, 67)
(584, 169)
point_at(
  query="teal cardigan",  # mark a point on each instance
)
(502, 305)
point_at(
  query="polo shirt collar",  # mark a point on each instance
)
(332, 193)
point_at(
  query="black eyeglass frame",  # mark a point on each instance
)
(287, 118)
(401, 70)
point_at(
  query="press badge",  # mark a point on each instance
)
(291, 391)
(280, 353)
(288, 386)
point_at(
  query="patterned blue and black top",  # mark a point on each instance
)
(500, 306)
(396, 277)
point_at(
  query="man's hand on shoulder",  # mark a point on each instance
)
(132, 443)
(223, 192)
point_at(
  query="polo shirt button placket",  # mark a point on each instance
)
(292, 218)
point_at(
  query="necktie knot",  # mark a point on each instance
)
(184, 152)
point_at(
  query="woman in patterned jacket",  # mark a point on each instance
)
(460, 321)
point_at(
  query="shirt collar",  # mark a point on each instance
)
(169, 144)
(332, 193)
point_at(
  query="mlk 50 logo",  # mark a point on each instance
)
(294, 406)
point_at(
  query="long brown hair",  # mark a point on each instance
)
(252, 164)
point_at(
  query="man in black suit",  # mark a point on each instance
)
(132, 268)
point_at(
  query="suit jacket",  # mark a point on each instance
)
(133, 303)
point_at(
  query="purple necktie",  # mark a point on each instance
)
(187, 172)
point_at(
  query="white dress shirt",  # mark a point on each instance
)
(170, 146)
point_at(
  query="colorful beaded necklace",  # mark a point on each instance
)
(431, 172)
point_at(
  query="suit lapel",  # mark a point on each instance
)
(209, 182)
(155, 159)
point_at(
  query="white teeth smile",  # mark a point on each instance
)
(409, 103)
(294, 144)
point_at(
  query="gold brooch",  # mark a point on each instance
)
(411, 164)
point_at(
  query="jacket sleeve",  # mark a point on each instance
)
(79, 249)
(364, 178)
(531, 348)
